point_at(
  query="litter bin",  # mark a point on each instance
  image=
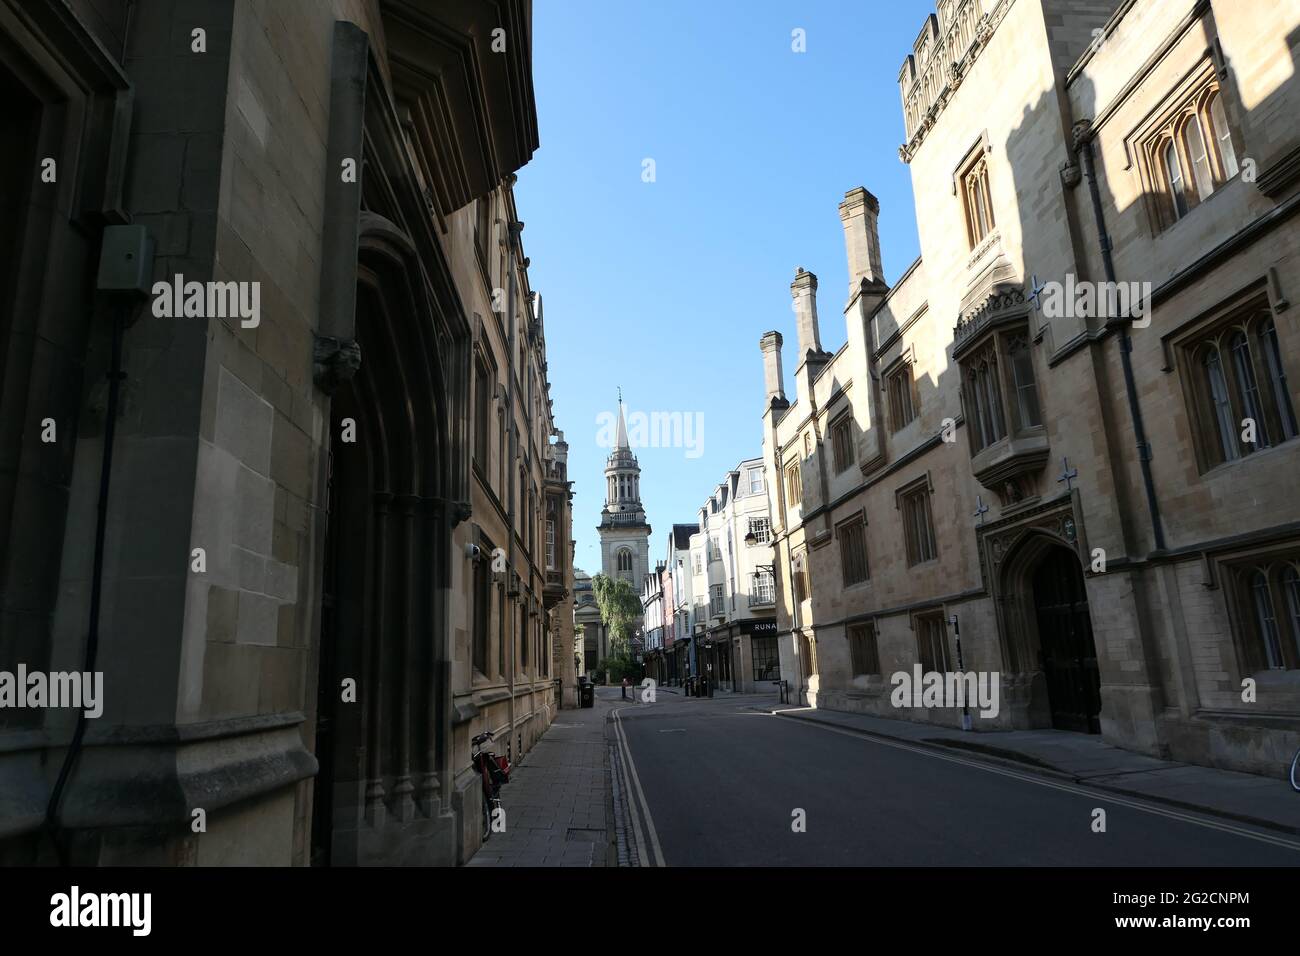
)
(587, 691)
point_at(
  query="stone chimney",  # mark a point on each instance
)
(859, 213)
(773, 377)
(803, 290)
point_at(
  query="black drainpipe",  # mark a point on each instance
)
(1083, 144)
(115, 376)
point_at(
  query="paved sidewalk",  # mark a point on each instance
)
(557, 801)
(1085, 758)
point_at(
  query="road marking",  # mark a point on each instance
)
(629, 766)
(1067, 788)
(637, 831)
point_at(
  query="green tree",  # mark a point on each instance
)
(620, 608)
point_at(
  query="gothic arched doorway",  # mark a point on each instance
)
(383, 751)
(1067, 654)
(1050, 652)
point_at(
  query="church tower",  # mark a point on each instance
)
(624, 532)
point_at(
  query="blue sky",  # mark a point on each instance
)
(664, 288)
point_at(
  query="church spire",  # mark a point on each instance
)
(621, 444)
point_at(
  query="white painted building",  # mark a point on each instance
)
(732, 619)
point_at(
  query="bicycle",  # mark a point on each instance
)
(1295, 772)
(494, 771)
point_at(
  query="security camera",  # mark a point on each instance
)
(473, 551)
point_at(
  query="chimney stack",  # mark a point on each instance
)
(803, 290)
(859, 213)
(773, 378)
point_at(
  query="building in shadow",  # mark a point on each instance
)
(312, 546)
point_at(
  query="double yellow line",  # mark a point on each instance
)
(642, 823)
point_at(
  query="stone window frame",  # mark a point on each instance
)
(908, 499)
(481, 631)
(794, 482)
(800, 578)
(990, 394)
(972, 186)
(1216, 395)
(900, 392)
(853, 523)
(930, 629)
(864, 648)
(808, 653)
(1262, 594)
(841, 432)
(1188, 109)
(484, 411)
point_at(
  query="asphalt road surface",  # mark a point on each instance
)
(716, 783)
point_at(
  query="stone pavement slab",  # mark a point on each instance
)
(557, 803)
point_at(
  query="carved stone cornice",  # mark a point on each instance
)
(1005, 303)
(956, 71)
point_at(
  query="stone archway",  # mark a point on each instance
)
(1047, 632)
(384, 593)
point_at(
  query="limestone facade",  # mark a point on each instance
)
(1071, 492)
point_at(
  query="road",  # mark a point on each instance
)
(719, 784)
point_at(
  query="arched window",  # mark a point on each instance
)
(1249, 388)
(1198, 155)
(1291, 587)
(1266, 619)
(979, 201)
(1222, 404)
(625, 563)
(1222, 137)
(993, 400)
(1267, 336)
(1022, 374)
(1174, 176)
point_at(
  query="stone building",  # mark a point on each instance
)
(594, 637)
(312, 547)
(1090, 487)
